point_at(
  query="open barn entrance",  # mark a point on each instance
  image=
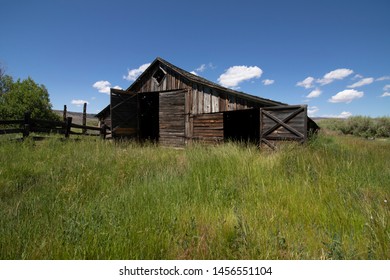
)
(242, 125)
(124, 111)
(148, 108)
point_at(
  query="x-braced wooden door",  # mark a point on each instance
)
(281, 123)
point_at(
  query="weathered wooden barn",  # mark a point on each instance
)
(174, 107)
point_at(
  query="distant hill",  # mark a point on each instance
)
(78, 117)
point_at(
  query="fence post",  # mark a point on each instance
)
(27, 123)
(103, 131)
(64, 114)
(68, 126)
(85, 118)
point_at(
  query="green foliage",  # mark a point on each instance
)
(102, 200)
(359, 126)
(19, 97)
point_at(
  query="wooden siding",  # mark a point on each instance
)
(185, 107)
(208, 127)
(171, 81)
(172, 118)
(203, 99)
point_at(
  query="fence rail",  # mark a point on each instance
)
(28, 125)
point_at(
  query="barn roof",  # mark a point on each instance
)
(103, 112)
(196, 79)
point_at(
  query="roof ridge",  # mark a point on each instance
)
(199, 79)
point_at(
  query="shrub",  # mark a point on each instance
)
(361, 126)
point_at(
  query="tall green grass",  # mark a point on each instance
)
(101, 200)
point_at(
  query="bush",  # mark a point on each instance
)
(361, 126)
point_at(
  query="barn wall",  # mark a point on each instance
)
(105, 119)
(208, 127)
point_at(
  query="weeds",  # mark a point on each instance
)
(100, 200)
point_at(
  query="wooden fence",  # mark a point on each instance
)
(28, 125)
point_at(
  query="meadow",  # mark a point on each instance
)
(327, 199)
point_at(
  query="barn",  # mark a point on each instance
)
(173, 107)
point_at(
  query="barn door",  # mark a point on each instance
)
(283, 123)
(172, 118)
(124, 113)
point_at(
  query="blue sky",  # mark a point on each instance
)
(332, 55)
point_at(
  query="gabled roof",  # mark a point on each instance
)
(196, 79)
(102, 112)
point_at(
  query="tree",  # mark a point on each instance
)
(5, 81)
(24, 96)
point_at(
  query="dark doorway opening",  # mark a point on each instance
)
(148, 116)
(242, 125)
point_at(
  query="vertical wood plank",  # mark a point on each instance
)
(84, 131)
(68, 126)
(64, 114)
(194, 99)
(207, 101)
(214, 101)
(200, 100)
(27, 124)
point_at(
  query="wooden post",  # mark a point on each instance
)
(103, 131)
(27, 123)
(68, 126)
(85, 117)
(64, 114)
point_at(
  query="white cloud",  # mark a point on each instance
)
(357, 76)
(346, 96)
(362, 82)
(386, 94)
(384, 78)
(315, 93)
(238, 74)
(104, 86)
(132, 74)
(201, 68)
(343, 115)
(337, 74)
(79, 102)
(306, 83)
(268, 82)
(312, 110)
(386, 87)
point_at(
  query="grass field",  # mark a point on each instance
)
(100, 200)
